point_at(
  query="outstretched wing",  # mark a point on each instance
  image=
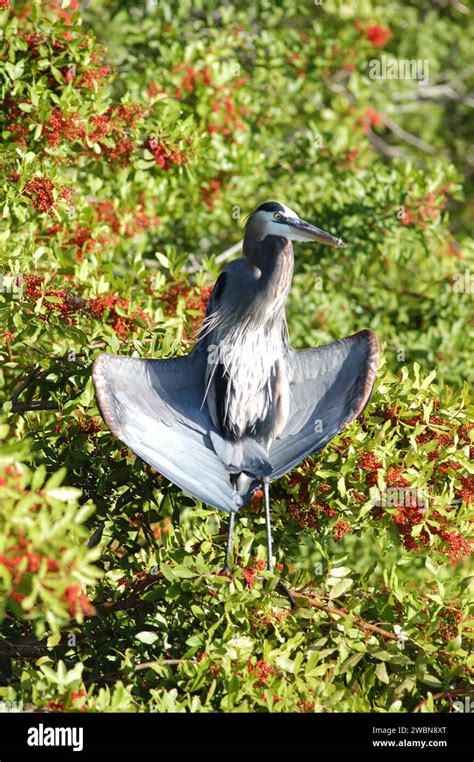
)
(329, 387)
(155, 407)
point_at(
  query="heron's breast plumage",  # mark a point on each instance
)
(248, 389)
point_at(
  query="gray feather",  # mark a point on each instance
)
(154, 407)
(329, 387)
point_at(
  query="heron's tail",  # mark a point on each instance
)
(243, 455)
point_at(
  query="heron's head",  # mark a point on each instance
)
(273, 218)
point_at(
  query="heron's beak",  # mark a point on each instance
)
(306, 232)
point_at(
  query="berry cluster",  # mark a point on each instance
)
(227, 117)
(61, 127)
(107, 305)
(44, 194)
(341, 529)
(426, 209)
(111, 132)
(304, 705)
(21, 560)
(211, 191)
(370, 119)
(192, 78)
(378, 35)
(61, 302)
(451, 618)
(194, 299)
(165, 156)
(369, 463)
(262, 671)
(250, 573)
(78, 602)
(54, 301)
(16, 121)
(91, 77)
(268, 618)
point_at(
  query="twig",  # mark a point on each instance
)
(408, 137)
(449, 693)
(131, 600)
(149, 664)
(23, 407)
(380, 145)
(228, 253)
(22, 650)
(436, 94)
(113, 676)
(312, 600)
(25, 384)
(359, 622)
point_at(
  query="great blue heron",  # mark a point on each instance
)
(242, 408)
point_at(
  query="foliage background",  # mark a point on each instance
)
(135, 137)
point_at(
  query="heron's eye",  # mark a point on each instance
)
(277, 216)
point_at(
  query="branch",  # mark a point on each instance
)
(195, 264)
(392, 151)
(436, 94)
(449, 693)
(408, 137)
(313, 601)
(22, 650)
(228, 253)
(359, 622)
(23, 407)
(130, 600)
(25, 384)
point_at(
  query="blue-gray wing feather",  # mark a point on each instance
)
(155, 407)
(329, 387)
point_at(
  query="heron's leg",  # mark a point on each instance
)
(266, 490)
(280, 587)
(230, 534)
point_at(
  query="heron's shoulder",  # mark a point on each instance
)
(230, 288)
(240, 269)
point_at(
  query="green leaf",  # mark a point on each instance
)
(184, 573)
(349, 663)
(65, 494)
(381, 672)
(431, 680)
(167, 572)
(340, 588)
(147, 637)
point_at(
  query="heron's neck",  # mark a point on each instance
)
(274, 258)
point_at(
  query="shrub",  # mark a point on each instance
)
(131, 148)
